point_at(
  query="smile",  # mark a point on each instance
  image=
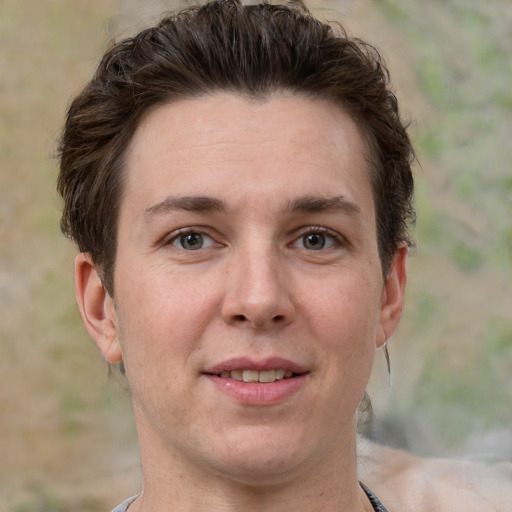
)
(265, 376)
(258, 387)
(258, 382)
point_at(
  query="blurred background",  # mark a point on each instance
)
(67, 440)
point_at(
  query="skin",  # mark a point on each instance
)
(405, 482)
(281, 177)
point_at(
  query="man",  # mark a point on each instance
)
(238, 183)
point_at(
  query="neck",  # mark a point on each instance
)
(173, 484)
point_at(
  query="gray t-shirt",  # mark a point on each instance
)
(377, 505)
(123, 507)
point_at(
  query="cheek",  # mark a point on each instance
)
(343, 322)
(162, 314)
(348, 309)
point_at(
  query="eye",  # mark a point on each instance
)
(191, 241)
(317, 239)
(314, 241)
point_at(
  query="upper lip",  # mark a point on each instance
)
(258, 365)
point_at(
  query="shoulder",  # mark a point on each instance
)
(406, 482)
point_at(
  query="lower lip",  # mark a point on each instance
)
(254, 393)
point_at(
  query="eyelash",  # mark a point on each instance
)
(176, 235)
(314, 230)
(310, 230)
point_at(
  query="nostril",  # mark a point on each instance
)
(240, 318)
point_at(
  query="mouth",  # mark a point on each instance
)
(258, 382)
(266, 371)
(263, 377)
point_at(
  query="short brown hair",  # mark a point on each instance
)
(224, 46)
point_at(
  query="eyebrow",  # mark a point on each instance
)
(302, 204)
(187, 203)
(314, 204)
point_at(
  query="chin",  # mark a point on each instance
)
(262, 472)
(264, 457)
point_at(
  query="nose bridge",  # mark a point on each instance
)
(257, 292)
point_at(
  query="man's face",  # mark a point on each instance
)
(247, 250)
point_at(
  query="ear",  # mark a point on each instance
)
(392, 296)
(97, 308)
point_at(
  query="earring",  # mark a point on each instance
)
(388, 361)
(386, 354)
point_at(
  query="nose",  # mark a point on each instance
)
(258, 291)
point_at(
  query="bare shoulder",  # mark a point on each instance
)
(406, 482)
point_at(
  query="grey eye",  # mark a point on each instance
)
(191, 241)
(314, 241)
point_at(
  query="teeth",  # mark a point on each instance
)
(265, 376)
(236, 375)
(250, 376)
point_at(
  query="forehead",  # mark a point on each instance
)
(228, 146)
